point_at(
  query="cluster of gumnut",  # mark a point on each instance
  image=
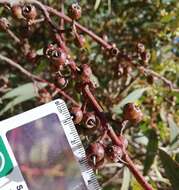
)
(25, 11)
(143, 58)
(102, 148)
(57, 55)
(29, 11)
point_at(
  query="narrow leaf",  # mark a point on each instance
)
(126, 179)
(94, 80)
(152, 148)
(26, 89)
(20, 94)
(15, 102)
(171, 168)
(97, 4)
(174, 130)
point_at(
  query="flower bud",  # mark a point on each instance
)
(114, 153)
(55, 54)
(48, 50)
(140, 48)
(145, 57)
(86, 73)
(74, 11)
(91, 121)
(17, 11)
(77, 114)
(59, 56)
(132, 113)
(150, 79)
(29, 11)
(31, 56)
(95, 154)
(4, 24)
(86, 70)
(114, 51)
(62, 82)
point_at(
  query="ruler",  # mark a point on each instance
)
(77, 146)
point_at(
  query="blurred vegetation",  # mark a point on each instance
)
(155, 23)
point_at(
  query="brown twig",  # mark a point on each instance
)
(36, 78)
(13, 36)
(45, 9)
(62, 20)
(42, 7)
(20, 68)
(80, 27)
(157, 75)
(136, 173)
(111, 179)
(107, 45)
(36, 21)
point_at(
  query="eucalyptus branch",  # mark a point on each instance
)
(116, 140)
(36, 78)
(136, 173)
(13, 36)
(44, 11)
(19, 67)
(162, 78)
(80, 27)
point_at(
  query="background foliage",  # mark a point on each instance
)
(155, 23)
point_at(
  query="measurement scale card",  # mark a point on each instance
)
(41, 150)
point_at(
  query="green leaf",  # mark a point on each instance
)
(26, 89)
(20, 94)
(94, 80)
(152, 148)
(177, 157)
(171, 168)
(132, 97)
(97, 4)
(13, 103)
(167, 18)
(174, 130)
(126, 179)
(40, 51)
(135, 185)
